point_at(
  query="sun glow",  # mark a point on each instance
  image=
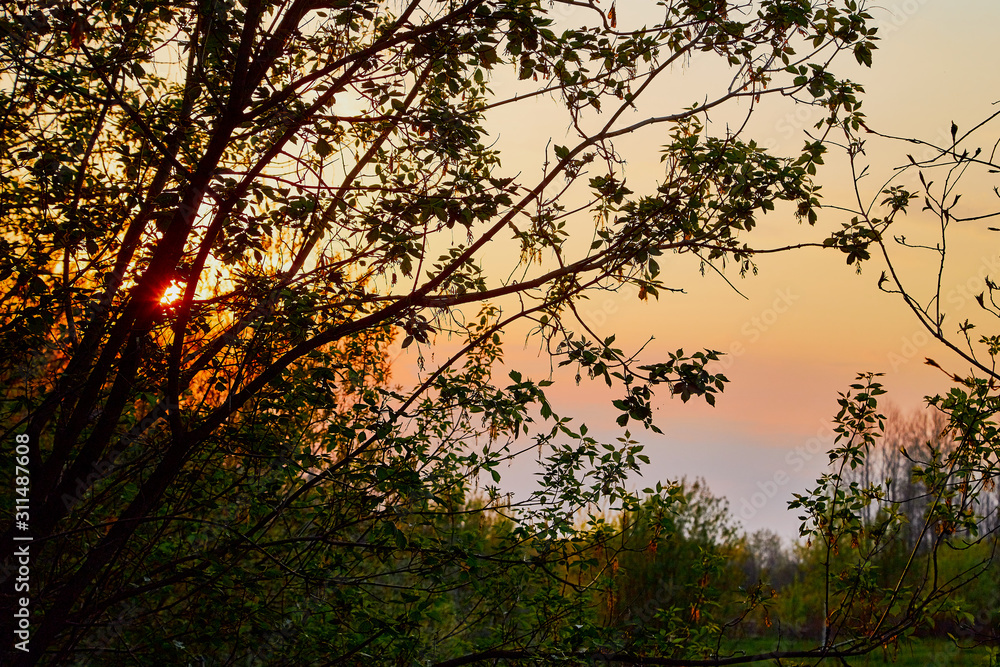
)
(171, 294)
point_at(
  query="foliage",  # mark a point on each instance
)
(952, 505)
(881, 560)
(670, 572)
(219, 218)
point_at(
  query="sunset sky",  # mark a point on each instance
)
(809, 323)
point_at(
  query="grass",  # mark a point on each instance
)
(917, 653)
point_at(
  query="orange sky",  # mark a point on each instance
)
(810, 323)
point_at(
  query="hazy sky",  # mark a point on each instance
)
(809, 323)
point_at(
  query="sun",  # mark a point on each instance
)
(171, 294)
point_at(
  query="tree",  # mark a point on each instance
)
(949, 513)
(873, 514)
(892, 465)
(218, 218)
(669, 566)
(858, 597)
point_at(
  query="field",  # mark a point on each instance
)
(919, 653)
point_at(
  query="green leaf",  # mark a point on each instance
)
(322, 147)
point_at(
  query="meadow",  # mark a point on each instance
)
(931, 652)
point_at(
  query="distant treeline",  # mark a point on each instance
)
(689, 565)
